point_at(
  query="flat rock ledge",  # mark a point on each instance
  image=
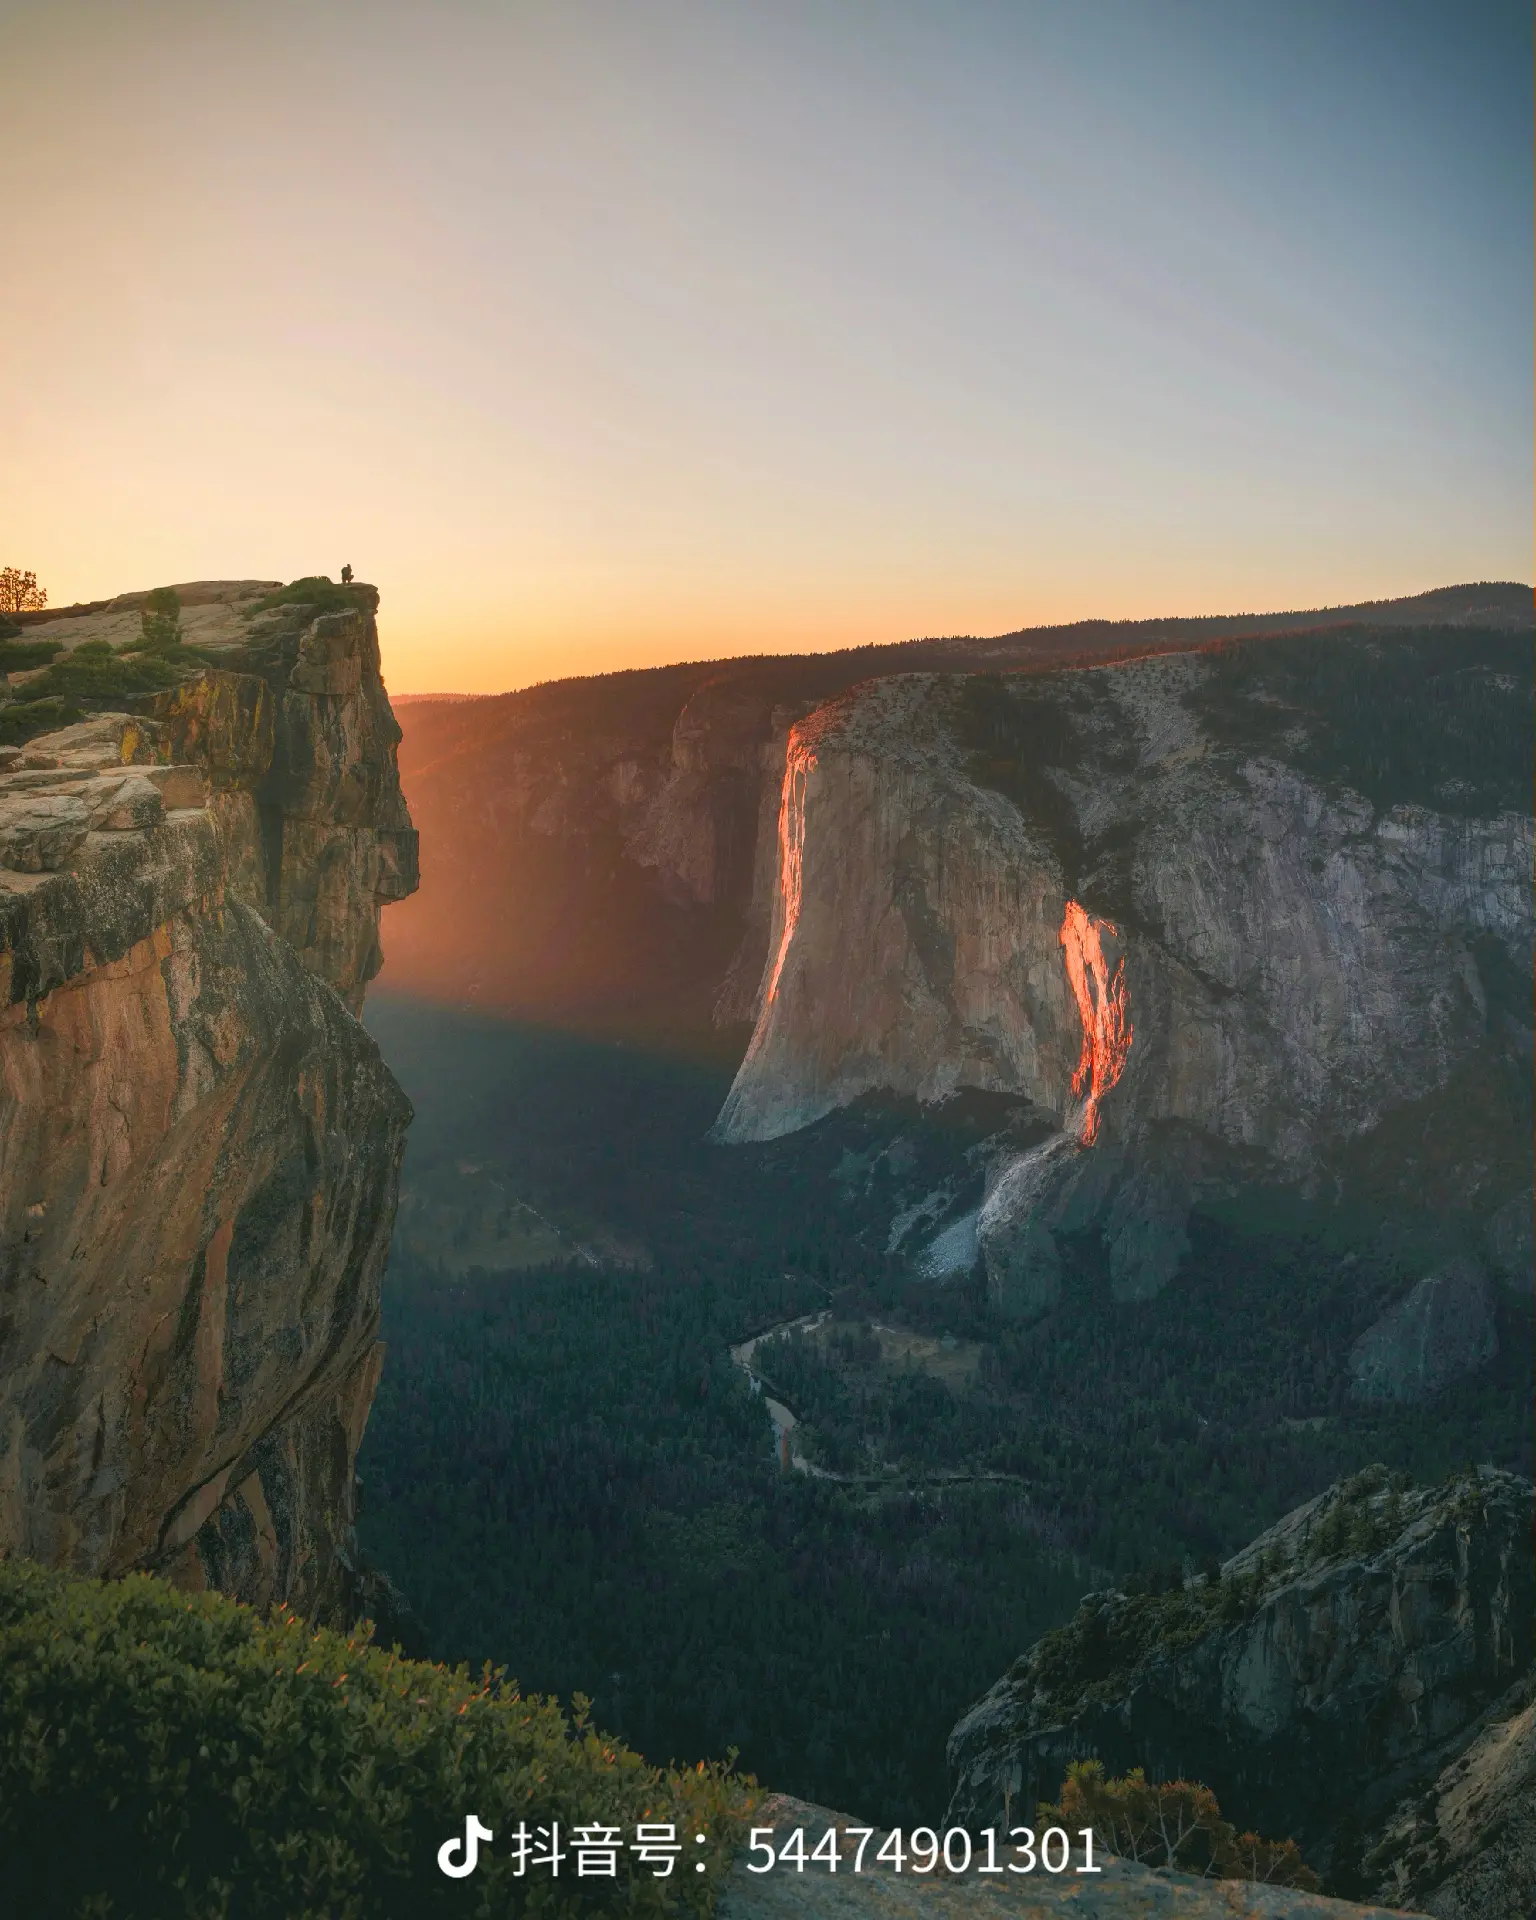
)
(1121, 1892)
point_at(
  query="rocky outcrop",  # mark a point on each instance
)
(1156, 901)
(199, 1144)
(1341, 1663)
(1466, 1849)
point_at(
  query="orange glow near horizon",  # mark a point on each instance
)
(610, 337)
(1103, 1006)
(799, 760)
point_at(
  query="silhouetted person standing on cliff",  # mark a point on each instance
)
(346, 576)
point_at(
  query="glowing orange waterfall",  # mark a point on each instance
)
(798, 762)
(1102, 1005)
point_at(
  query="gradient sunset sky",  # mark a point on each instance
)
(606, 332)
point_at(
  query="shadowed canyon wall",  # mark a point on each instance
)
(199, 1144)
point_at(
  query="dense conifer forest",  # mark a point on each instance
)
(566, 1472)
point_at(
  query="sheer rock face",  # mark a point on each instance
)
(1274, 964)
(913, 945)
(1350, 1657)
(199, 1144)
(336, 842)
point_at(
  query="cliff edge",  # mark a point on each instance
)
(199, 1144)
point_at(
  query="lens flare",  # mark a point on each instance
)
(1103, 1006)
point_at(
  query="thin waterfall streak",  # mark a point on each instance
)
(1103, 1006)
(798, 762)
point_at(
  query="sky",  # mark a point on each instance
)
(600, 333)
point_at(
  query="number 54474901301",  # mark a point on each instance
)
(922, 1850)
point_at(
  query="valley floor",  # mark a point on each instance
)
(570, 1474)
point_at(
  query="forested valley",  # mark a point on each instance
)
(567, 1474)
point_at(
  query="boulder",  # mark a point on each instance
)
(178, 786)
(41, 832)
(125, 805)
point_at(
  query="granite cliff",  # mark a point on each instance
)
(199, 1144)
(1226, 907)
(1357, 1677)
(606, 850)
(1257, 917)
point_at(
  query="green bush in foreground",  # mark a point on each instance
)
(173, 1755)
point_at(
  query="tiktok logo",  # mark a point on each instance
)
(474, 1833)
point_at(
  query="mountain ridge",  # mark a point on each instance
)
(1495, 603)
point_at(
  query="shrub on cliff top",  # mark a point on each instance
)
(93, 675)
(165, 1754)
(1112, 1633)
(24, 720)
(1171, 1823)
(315, 590)
(19, 656)
(160, 621)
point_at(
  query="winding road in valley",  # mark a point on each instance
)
(784, 1422)
(786, 1425)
